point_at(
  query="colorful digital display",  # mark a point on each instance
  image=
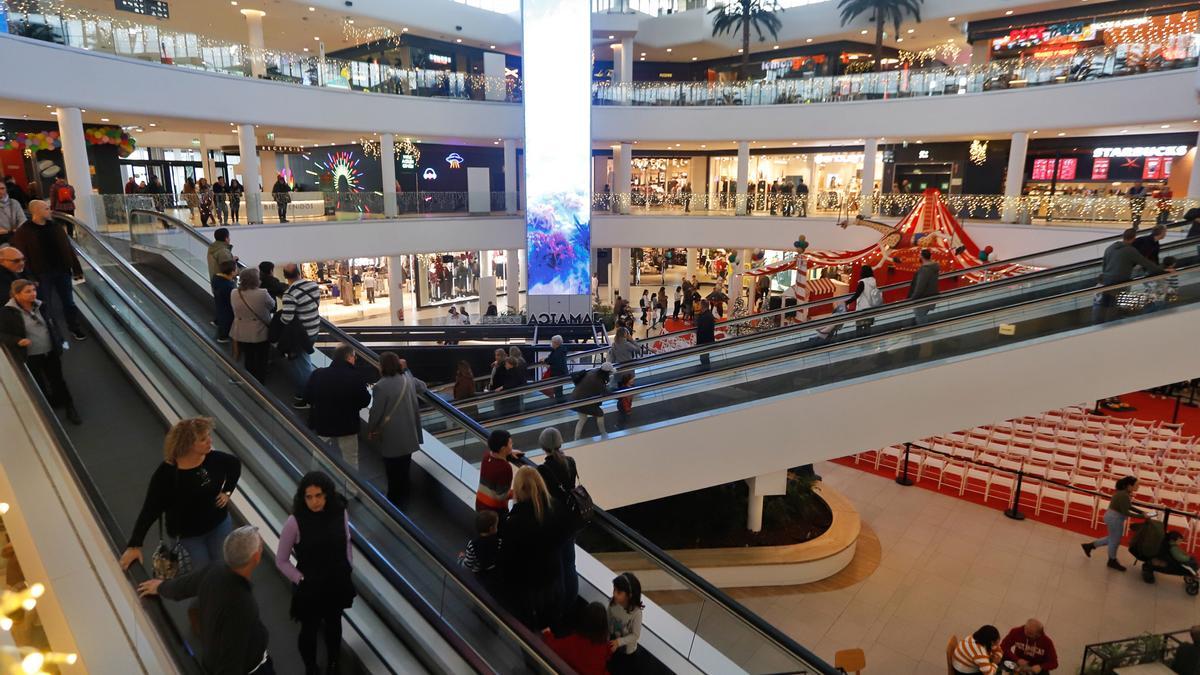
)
(557, 90)
(1153, 168)
(1067, 167)
(1100, 168)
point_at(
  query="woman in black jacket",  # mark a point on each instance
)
(560, 475)
(191, 488)
(318, 534)
(529, 545)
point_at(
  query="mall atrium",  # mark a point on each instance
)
(599, 336)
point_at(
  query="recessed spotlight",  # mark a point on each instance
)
(739, 51)
(54, 112)
(495, 142)
(951, 18)
(677, 145)
(1195, 121)
(491, 46)
(233, 2)
(49, 106)
(1008, 13)
(611, 37)
(153, 124)
(694, 58)
(775, 47)
(306, 49)
(103, 119)
(350, 21)
(1165, 126)
(862, 32)
(641, 58)
(459, 40)
(703, 145)
(911, 31)
(1062, 133)
(808, 40)
(1124, 131)
(899, 39)
(1035, 131)
(794, 144)
(403, 30)
(317, 38)
(920, 142)
(642, 54)
(669, 50)
(312, 9)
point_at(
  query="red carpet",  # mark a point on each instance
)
(1162, 409)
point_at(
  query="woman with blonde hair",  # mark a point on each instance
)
(529, 544)
(190, 491)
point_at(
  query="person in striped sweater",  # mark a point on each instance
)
(301, 302)
(978, 652)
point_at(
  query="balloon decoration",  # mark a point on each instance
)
(49, 140)
(801, 244)
(733, 256)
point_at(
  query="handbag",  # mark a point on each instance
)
(375, 435)
(1132, 301)
(170, 561)
(579, 504)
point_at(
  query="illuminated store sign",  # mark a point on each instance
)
(408, 162)
(438, 59)
(455, 160)
(558, 147)
(429, 174)
(1143, 151)
(854, 158)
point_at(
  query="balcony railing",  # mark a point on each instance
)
(85, 29)
(1089, 64)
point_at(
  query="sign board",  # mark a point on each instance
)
(1067, 167)
(1142, 151)
(155, 8)
(1100, 168)
(408, 162)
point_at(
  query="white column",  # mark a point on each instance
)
(387, 160)
(621, 269)
(743, 176)
(268, 168)
(623, 176)
(510, 175)
(870, 154)
(248, 148)
(1193, 187)
(512, 283)
(74, 150)
(210, 167)
(320, 64)
(1016, 175)
(254, 27)
(623, 61)
(762, 486)
(693, 261)
(395, 289)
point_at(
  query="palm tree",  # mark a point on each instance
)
(740, 16)
(882, 12)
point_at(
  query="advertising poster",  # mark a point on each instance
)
(1100, 168)
(1067, 167)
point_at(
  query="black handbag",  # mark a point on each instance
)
(579, 503)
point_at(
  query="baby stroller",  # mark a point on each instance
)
(1151, 544)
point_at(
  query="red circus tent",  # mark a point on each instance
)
(897, 254)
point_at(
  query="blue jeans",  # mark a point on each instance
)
(208, 548)
(299, 369)
(59, 283)
(1115, 522)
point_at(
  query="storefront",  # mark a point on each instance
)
(355, 281)
(1136, 33)
(976, 168)
(450, 278)
(1109, 165)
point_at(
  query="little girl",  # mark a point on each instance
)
(624, 623)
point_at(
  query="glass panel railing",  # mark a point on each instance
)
(981, 284)
(999, 75)
(839, 349)
(276, 449)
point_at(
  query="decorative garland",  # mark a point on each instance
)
(49, 140)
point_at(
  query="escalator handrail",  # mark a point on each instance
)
(632, 537)
(776, 332)
(977, 269)
(452, 569)
(153, 606)
(820, 349)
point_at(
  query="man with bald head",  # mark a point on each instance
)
(12, 265)
(1030, 648)
(50, 261)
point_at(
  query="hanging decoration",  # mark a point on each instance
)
(978, 152)
(33, 142)
(404, 146)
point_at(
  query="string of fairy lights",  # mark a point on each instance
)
(14, 605)
(402, 146)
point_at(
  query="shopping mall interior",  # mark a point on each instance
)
(621, 336)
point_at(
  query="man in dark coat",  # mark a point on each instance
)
(337, 393)
(924, 285)
(51, 262)
(706, 330)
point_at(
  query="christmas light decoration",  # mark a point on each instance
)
(402, 146)
(978, 152)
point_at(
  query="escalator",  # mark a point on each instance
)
(416, 612)
(702, 630)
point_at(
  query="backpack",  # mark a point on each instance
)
(64, 194)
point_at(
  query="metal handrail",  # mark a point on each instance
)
(621, 530)
(694, 377)
(807, 325)
(467, 583)
(155, 609)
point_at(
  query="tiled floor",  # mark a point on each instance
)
(949, 566)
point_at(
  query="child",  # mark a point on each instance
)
(624, 623)
(483, 552)
(1162, 290)
(586, 650)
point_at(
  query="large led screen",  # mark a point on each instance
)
(557, 62)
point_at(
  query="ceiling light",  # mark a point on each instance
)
(1062, 133)
(233, 2)
(49, 106)
(775, 47)
(103, 119)
(641, 58)
(312, 9)
(403, 30)
(153, 124)
(1008, 13)
(739, 51)
(306, 49)
(458, 40)
(317, 38)
(808, 40)
(350, 21)
(920, 142)
(491, 46)
(911, 31)
(1124, 131)
(54, 112)
(677, 145)
(695, 58)
(703, 145)
(863, 32)
(611, 37)
(952, 18)
(899, 39)
(669, 50)
(1165, 126)
(643, 54)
